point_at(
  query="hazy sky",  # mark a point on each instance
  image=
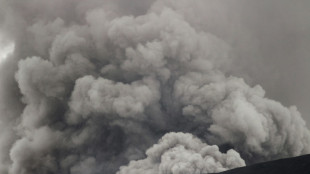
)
(279, 41)
(270, 41)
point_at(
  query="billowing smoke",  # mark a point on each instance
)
(93, 85)
(183, 153)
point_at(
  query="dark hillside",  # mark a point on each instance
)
(295, 165)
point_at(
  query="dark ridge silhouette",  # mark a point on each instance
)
(295, 165)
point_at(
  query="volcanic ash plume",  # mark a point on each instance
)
(92, 85)
(183, 153)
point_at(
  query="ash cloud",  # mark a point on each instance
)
(92, 86)
(183, 153)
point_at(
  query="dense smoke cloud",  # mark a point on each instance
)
(92, 85)
(182, 153)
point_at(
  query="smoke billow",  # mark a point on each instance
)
(183, 153)
(92, 86)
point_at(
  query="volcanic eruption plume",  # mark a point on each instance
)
(95, 85)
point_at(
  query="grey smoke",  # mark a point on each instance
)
(183, 153)
(92, 86)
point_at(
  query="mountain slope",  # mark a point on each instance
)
(295, 165)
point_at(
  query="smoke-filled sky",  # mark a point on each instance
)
(152, 86)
